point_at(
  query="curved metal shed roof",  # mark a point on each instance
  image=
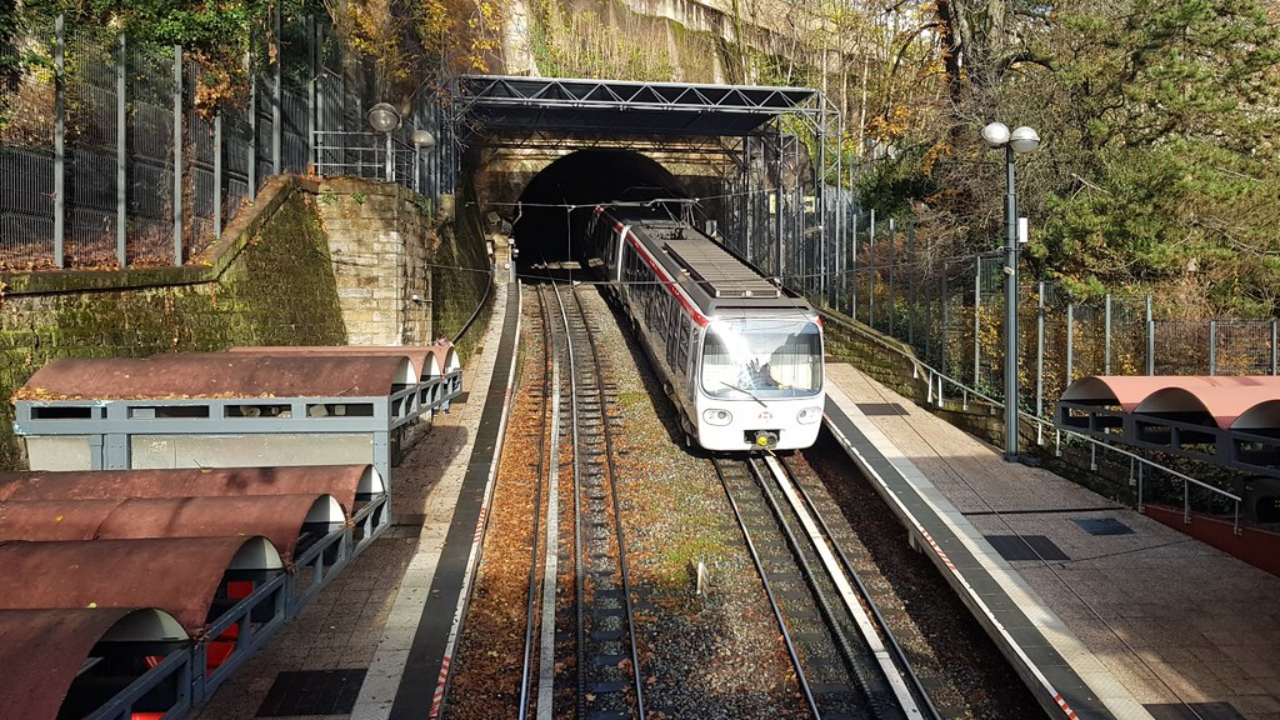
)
(341, 481)
(428, 360)
(52, 520)
(179, 576)
(41, 651)
(217, 375)
(1238, 402)
(447, 358)
(279, 518)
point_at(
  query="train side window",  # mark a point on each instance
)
(685, 339)
(671, 330)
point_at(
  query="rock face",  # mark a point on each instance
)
(718, 41)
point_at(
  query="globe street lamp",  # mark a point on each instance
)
(423, 142)
(384, 119)
(1020, 142)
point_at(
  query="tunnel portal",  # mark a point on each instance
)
(559, 198)
(755, 159)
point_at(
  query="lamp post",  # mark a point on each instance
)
(383, 118)
(423, 141)
(1019, 142)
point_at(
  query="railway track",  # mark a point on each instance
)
(846, 663)
(551, 626)
(543, 326)
(584, 617)
(609, 679)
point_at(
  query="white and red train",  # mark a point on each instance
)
(741, 358)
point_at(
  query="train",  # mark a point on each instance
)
(741, 357)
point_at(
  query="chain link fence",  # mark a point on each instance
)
(106, 160)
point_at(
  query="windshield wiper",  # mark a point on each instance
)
(744, 390)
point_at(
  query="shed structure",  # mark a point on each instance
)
(1231, 422)
(212, 410)
(146, 589)
(438, 367)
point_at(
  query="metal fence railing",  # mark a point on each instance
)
(952, 311)
(1153, 481)
(107, 160)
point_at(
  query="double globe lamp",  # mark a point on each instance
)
(384, 119)
(1021, 141)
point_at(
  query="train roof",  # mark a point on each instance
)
(716, 279)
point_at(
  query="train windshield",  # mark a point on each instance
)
(762, 358)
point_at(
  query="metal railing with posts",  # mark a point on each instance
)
(1139, 466)
(106, 161)
(372, 156)
(902, 280)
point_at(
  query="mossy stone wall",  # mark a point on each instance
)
(462, 276)
(291, 269)
(270, 283)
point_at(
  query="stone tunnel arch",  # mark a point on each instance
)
(583, 178)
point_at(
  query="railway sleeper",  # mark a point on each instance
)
(607, 686)
(613, 594)
(839, 691)
(607, 660)
(608, 715)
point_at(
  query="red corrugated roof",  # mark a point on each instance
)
(427, 359)
(279, 518)
(52, 520)
(41, 651)
(178, 576)
(340, 481)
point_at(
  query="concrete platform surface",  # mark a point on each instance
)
(1184, 629)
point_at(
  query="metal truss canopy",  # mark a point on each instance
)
(574, 106)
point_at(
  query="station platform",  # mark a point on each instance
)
(372, 645)
(1104, 612)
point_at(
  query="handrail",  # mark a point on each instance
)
(475, 313)
(1186, 479)
(917, 364)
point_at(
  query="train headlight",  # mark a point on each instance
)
(809, 415)
(714, 416)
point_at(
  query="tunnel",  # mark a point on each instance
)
(559, 199)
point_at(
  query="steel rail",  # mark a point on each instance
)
(783, 627)
(825, 608)
(899, 654)
(527, 669)
(580, 698)
(550, 580)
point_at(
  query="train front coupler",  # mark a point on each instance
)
(764, 440)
